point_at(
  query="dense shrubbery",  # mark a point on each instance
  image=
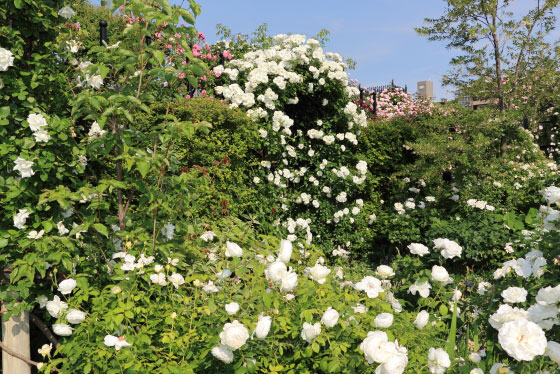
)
(122, 228)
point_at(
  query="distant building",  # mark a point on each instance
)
(425, 89)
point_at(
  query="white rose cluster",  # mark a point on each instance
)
(6, 59)
(37, 123)
(259, 82)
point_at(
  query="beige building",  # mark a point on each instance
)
(425, 89)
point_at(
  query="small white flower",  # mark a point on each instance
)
(422, 319)
(223, 353)
(117, 342)
(56, 307)
(383, 320)
(66, 286)
(24, 167)
(208, 236)
(385, 271)
(66, 12)
(438, 361)
(232, 308)
(62, 329)
(418, 249)
(233, 250)
(20, 218)
(263, 326)
(45, 350)
(6, 59)
(234, 335)
(330, 317)
(310, 331)
(176, 279)
(514, 295)
(62, 230)
(75, 316)
(33, 234)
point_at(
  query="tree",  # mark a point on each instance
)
(498, 47)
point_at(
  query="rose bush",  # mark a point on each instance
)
(101, 242)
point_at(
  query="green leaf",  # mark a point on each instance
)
(267, 299)
(102, 229)
(143, 167)
(18, 4)
(443, 310)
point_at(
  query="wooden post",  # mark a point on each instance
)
(15, 336)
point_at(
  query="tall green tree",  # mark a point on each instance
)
(498, 44)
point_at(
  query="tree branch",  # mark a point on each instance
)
(44, 329)
(17, 355)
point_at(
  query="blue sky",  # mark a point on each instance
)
(377, 34)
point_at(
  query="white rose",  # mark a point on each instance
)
(495, 369)
(276, 271)
(66, 12)
(176, 279)
(418, 249)
(438, 361)
(115, 341)
(318, 273)
(383, 320)
(62, 329)
(371, 285)
(506, 313)
(289, 281)
(24, 167)
(551, 194)
(263, 326)
(449, 248)
(223, 353)
(75, 316)
(66, 286)
(20, 218)
(285, 251)
(475, 357)
(36, 121)
(440, 274)
(56, 307)
(423, 288)
(476, 371)
(385, 271)
(233, 250)
(234, 335)
(310, 331)
(42, 300)
(330, 317)
(371, 345)
(548, 295)
(6, 59)
(94, 81)
(514, 295)
(232, 308)
(553, 351)
(422, 319)
(522, 339)
(360, 308)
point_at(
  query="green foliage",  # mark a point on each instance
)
(226, 156)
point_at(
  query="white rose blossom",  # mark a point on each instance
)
(263, 326)
(234, 335)
(310, 331)
(330, 317)
(24, 167)
(233, 250)
(522, 339)
(438, 361)
(66, 286)
(383, 320)
(75, 316)
(232, 308)
(223, 353)
(62, 329)
(116, 341)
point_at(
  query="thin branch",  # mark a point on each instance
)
(44, 329)
(17, 355)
